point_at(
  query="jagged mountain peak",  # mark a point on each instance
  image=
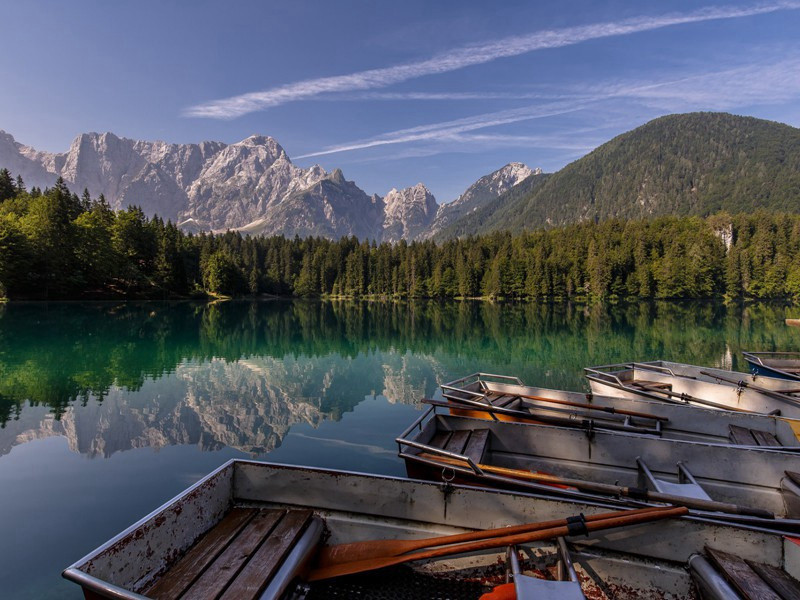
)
(337, 176)
(408, 212)
(250, 185)
(486, 189)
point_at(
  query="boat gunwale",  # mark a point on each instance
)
(76, 574)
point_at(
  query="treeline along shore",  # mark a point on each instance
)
(55, 244)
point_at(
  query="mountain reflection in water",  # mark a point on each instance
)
(111, 377)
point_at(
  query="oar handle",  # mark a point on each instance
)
(608, 409)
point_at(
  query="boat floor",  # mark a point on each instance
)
(236, 558)
(397, 583)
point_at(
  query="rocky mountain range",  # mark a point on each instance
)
(251, 186)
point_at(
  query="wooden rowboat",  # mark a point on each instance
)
(699, 386)
(253, 530)
(783, 365)
(757, 485)
(505, 398)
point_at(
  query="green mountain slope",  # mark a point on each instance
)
(689, 164)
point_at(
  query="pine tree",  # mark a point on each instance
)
(7, 188)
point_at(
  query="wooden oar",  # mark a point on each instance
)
(573, 420)
(613, 490)
(588, 406)
(361, 566)
(608, 409)
(343, 553)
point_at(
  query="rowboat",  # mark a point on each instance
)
(505, 398)
(713, 388)
(254, 530)
(716, 480)
(783, 365)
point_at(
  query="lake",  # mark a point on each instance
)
(108, 410)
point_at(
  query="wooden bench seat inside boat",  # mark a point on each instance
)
(237, 558)
(754, 581)
(468, 442)
(502, 400)
(752, 437)
(654, 385)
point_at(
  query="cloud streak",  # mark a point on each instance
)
(757, 83)
(236, 106)
(452, 129)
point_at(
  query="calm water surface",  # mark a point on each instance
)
(107, 411)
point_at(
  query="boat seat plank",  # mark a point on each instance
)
(184, 572)
(642, 383)
(476, 446)
(505, 400)
(741, 435)
(261, 567)
(779, 580)
(741, 576)
(228, 564)
(765, 438)
(458, 441)
(440, 439)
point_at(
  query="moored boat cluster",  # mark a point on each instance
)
(667, 480)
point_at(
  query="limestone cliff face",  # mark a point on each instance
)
(408, 213)
(251, 186)
(332, 207)
(208, 186)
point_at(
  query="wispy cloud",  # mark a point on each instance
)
(451, 129)
(466, 56)
(446, 96)
(765, 82)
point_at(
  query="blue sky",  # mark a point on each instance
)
(393, 93)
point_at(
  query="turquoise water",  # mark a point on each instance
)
(108, 410)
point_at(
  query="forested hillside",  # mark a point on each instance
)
(54, 244)
(690, 164)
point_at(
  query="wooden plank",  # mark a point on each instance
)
(440, 439)
(741, 435)
(765, 438)
(741, 576)
(504, 401)
(457, 441)
(779, 580)
(184, 572)
(263, 565)
(228, 564)
(477, 445)
(654, 385)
